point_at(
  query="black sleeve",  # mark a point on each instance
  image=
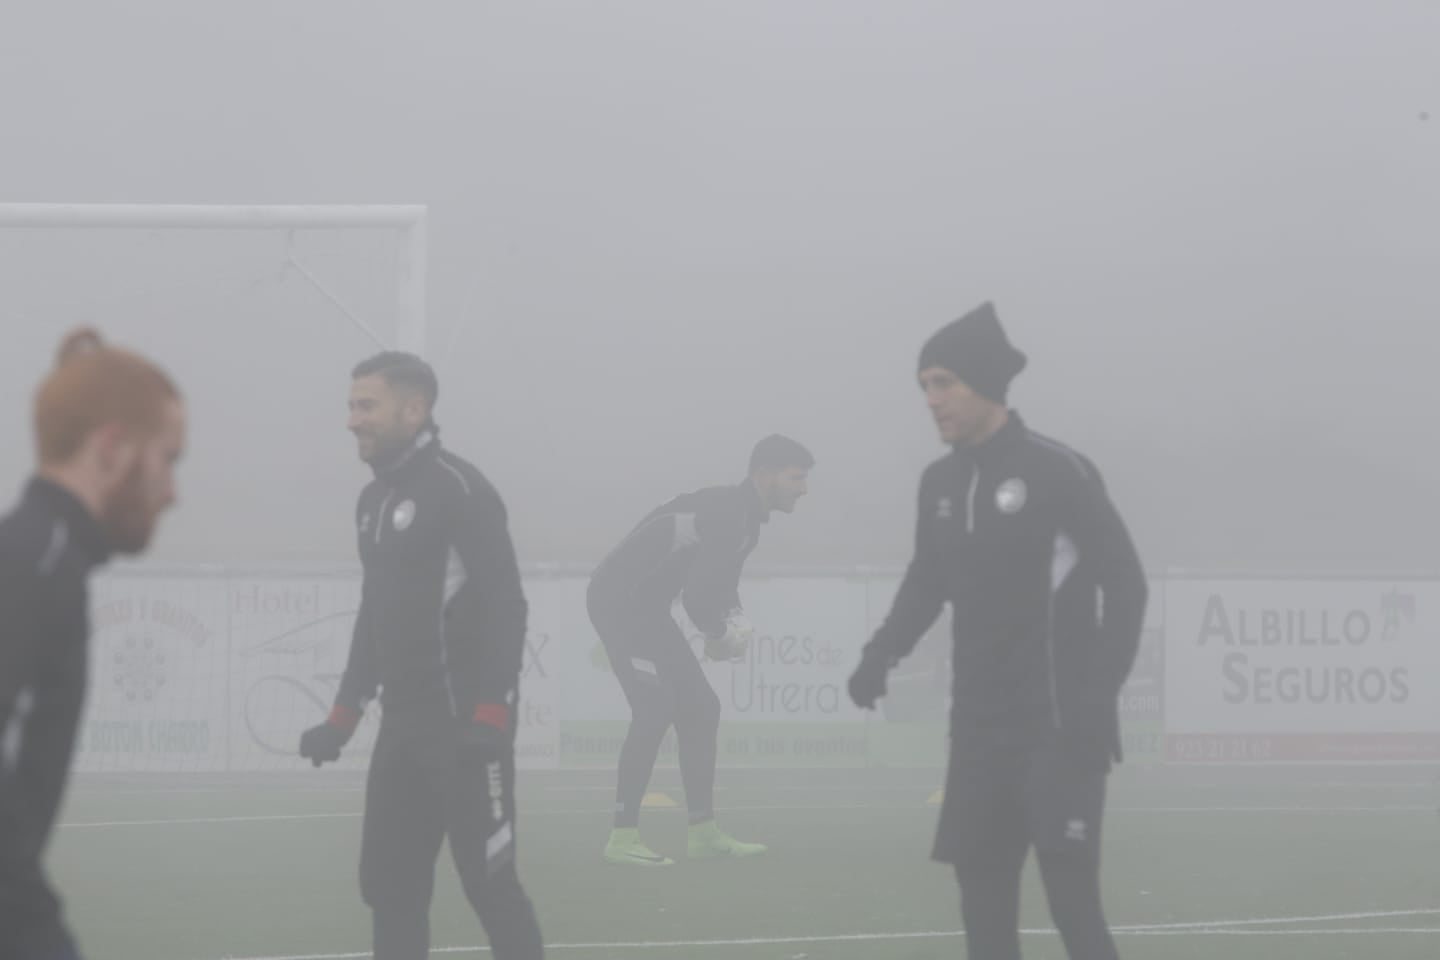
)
(361, 679)
(19, 640)
(49, 696)
(732, 600)
(486, 618)
(713, 588)
(920, 599)
(19, 643)
(1101, 538)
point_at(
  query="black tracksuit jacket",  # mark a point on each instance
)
(693, 547)
(1020, 537)
(48, 546)
(442, 620)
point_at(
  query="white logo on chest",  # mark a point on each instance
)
(1011, 495)
(944, 509)
(404, 515)
(365, 523)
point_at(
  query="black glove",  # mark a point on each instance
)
(322, 743)
(867, 683)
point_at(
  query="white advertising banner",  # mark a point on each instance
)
(808, 639)
(547, 659)
(289, 643)
(1302, 670)
(808, 635)
(156, 698)
(210, 674)
(217, 673)
(574, 662)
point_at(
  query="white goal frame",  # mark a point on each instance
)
(408, 220)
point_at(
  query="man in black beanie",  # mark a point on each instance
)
(1016, 532)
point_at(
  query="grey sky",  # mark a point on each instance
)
(661, 230)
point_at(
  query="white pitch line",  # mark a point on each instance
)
(1317, 932)
(107, 792)
(260, 818)
(744, 808)
(873, 788)
(1381, 808)
(102, 789)
(1284, 921)
(1329, 785)
(1235, 928)
(1305, 789)
(610, 788)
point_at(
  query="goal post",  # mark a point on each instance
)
(407, 219)
(258, 310)
(215, 652)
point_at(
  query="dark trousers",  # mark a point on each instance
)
(1001, 799)
(56, 948)
(424, 787)
(665, 687)
(52, 943)
(30, 921)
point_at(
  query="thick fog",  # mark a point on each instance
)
(662, 230)
(659, 230)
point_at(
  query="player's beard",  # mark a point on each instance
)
(389, 446)
(779, 500)
(126, 517)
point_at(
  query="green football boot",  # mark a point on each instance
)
(709, 842)
(626, 847)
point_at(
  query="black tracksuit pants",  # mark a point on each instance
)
(1003, 796)
(665, 687)
(425, 786)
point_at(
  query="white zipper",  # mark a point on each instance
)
(1058, 562)
(380, 518)
(970, 499)
(445, 666)
(1050, 654)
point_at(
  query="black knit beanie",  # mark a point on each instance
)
(976, 350)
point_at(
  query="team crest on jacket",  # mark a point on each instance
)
(943, 509)
(1011, 495)
(404, 514)
(365, 523)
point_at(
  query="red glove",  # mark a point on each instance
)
(489, 726)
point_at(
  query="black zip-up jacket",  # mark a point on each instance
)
(48, 546)
(693, 547)
(1020, 537)
(442, 613)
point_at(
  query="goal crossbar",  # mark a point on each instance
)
(409, 219)
(186, 216)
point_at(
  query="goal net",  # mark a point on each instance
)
(216, 650)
